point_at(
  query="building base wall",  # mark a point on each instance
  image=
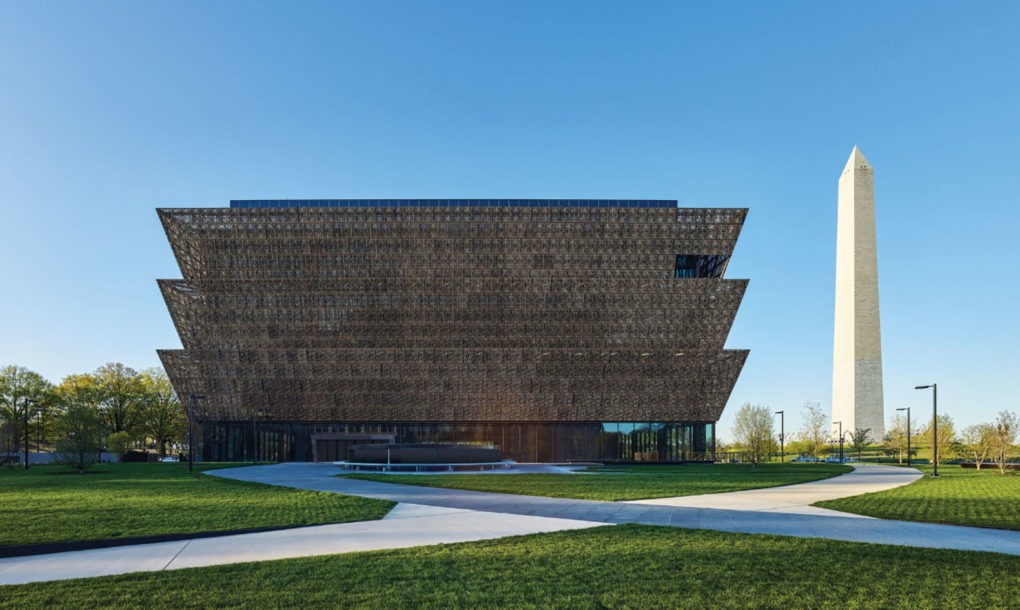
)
(239, 441)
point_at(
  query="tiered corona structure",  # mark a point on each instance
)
(556, 329)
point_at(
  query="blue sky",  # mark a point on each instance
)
(111, 109)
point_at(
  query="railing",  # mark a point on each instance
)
(459, 467)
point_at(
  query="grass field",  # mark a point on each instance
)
(617, 483)
(628, 566)
(960, 496)
(51, 504)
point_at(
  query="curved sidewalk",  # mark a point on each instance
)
(405, 526)
(799, 498)
(426, 515)
(830, 524)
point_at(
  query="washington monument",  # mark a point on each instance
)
(857, 346)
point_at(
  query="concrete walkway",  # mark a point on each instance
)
(799, 498)
(761, 517)
(407, 525)
(427, 515)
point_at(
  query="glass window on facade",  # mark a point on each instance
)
(519, 441)
(699, 265)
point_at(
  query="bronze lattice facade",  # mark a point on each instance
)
(558, 330)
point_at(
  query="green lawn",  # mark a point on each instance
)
(616, 483)
(960, 496)
(51, 504)
(630, 566)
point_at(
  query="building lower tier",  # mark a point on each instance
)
(232, 441)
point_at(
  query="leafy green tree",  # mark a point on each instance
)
(22, 393)
(79, 426)
(859, 439)
(753, 429)
(162, 414)
(121, 397)
(896, 438)
(119, 443)
(80, 391)
(1006, 428)
(796, 446)
(44, 428)
(79, 447)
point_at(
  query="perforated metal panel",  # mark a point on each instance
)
(431, 313)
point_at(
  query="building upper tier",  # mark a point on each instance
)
(463, 242)
(443, 203)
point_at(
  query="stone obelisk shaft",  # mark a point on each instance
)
(857, 349)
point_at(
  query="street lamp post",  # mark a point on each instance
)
(782, 436)
(28, 401)
(191, 430)
(907, 409)
(934, 425)
(840, 440)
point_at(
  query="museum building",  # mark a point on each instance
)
(557, 330)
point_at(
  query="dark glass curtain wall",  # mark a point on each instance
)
(524, 442)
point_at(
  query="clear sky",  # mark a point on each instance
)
(111, 109)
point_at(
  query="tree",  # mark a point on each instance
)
(161, 412)
(79, 425)
(22, 393)
(753, 429)
(79, 448)
(896, 438)
(44, 429)
(1006, 427)
(797, 446)
(79, 391)
(859, 439)
(978, 442)
(815, 429)
(119, 443)
(947, 436)
(122, 396)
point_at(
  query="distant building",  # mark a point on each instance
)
(857, 347)
(555, 329)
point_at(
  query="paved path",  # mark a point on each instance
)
(407, 525)
(799, 498)
(765, 518)
(427, 515)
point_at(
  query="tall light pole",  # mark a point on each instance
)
(191, 429)
(840, 440)
(782, 436)
(934, 425)
(907, 409)
(28, 401)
